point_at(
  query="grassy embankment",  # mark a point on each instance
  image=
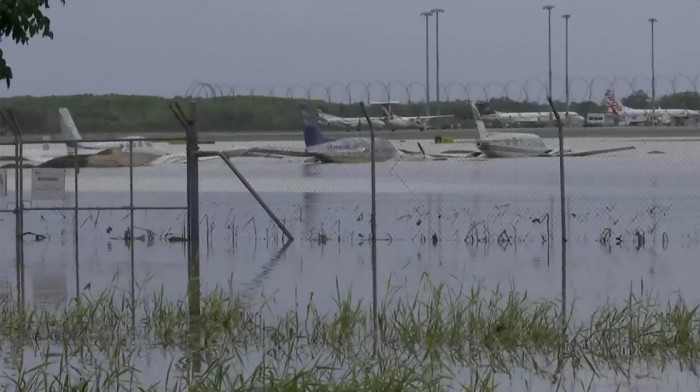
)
(127, 114)
(138, 114)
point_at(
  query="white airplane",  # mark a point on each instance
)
(102, 153)
(533, 118)
(395, 122)
(143, 150)
(348, 122)
(70, 132)
(341, 150)
(638, 116)
(518, 145)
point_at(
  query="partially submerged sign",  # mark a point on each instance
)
(3, 183)
(48, 184)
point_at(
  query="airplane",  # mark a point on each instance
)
(518, 145)
(94, 154)
(395, 122)
(342, 150)
(348, 122)
(70, 132)
(638, 116)
(532, 118)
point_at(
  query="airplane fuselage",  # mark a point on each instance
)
(531, 117)
(348, 122)
(513, 145)
(404, 123)
(353, 150)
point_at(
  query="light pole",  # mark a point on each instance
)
(653, 76)
(436, 12)
(549, 21)
(566, 20)
(427, 65)
(549, 24)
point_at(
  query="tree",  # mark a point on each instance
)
(637, 100)
(685, 100)
(22, 20)
(583, 108)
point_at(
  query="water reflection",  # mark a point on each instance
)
(251, 289)
(6, 286)
(49, 288)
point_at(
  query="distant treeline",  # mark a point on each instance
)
(136, 114)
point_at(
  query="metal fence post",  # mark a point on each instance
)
(19, 205)
(193, 283)
(9, 118)
(193, 210)
(76, 243)
(373, 223)
(131, 229)
(562, 201)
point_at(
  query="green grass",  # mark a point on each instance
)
(94, 342)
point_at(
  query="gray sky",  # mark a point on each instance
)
(160, 47)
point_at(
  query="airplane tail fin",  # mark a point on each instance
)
(386, 108)
(615, 106)
(480, 127)
(312, 130)
(484, 108)
(68, 129)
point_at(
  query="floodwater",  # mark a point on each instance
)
(631, 217)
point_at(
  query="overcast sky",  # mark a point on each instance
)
(160, 47)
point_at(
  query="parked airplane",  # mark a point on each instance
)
(395, 122)
(342, 150)
(637, 116)
(70, 132)
(94, 154)
(527, 118)
(348, 122)
(630, 116)
(516, 145)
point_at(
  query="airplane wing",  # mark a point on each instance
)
(591, 152)
(440, 116)
(444, 155)
(596, 152)
(9, 162)
(266, 152)
(469, 153)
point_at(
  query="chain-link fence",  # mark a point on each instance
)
(445, 216)
(436, 201)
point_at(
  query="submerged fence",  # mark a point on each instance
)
(641, 200)
(55, 192)
(425, 222)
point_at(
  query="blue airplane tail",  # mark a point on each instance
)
(312, 130)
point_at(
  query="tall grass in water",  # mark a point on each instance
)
(441, 339)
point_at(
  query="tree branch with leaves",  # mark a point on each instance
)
(21, 20)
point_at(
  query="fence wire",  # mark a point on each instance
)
(442, 219)
(581, 89)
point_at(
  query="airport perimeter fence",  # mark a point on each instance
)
(534, 90)
(445, 222)
(83, 205)
(631, 216)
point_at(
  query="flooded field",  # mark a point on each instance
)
(632, 222)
